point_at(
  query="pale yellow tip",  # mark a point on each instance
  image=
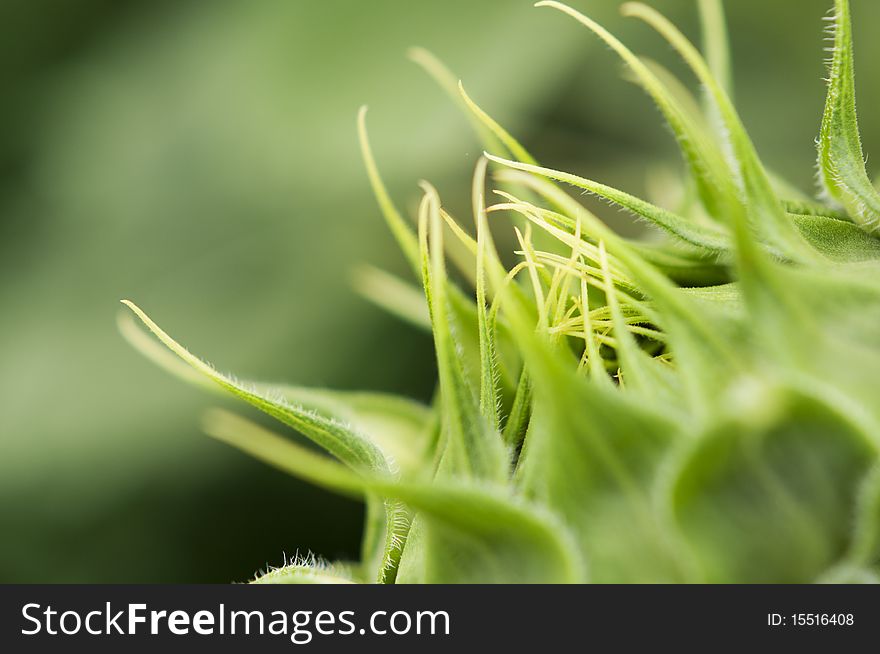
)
(428, 188)
(630, 8)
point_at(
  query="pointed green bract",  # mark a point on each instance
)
(711, 239)
(520, 412)
(513, 146)
(841, 161)
(489, 393)
(339, 439)
(402, 232)
(301, 575)
(451, 86)
(395, 424)
(472, 447)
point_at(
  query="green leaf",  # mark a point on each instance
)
(841, 161)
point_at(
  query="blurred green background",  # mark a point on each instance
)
(200, 158)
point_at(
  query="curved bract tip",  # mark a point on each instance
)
(629, 9)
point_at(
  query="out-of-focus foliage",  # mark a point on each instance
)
(200, 157)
